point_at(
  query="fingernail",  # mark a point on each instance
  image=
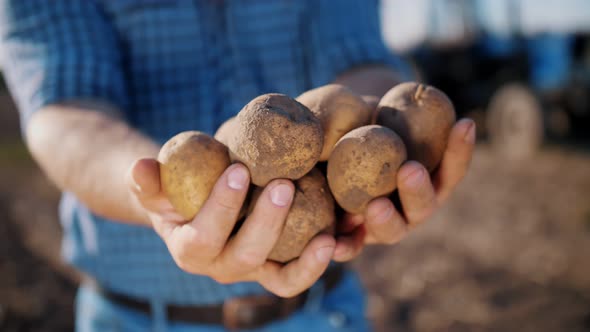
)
(324, 254)
(470, 134)
(281, 195)
(380, 211)
(415, 178)
(237, 179)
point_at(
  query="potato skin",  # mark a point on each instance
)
(339, 110)
(226, 131)
(422, 116)
(312, 212)
(190, 164)
(364, 165)
(373, 102)
(276, 137)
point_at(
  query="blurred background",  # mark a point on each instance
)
(509, 252)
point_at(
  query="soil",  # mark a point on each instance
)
(507, 253)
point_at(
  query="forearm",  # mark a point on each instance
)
(370, 80)
(88, 153)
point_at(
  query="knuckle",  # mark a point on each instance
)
(182, 258)
(185, 267)
(180, 251)
(198, 242)
(248, 259)
(183, 263)
(226, 205)
(183, 253)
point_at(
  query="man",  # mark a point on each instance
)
(102, 84)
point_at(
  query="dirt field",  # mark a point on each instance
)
(508, 253)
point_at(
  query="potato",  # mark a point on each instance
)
(373, 102)
(226, 131)
(364, 165)
(276, 137)
(191, 162)
(339, 110)
(312, 212)
(423, 116)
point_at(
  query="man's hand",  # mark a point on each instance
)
(419, 195)
(203, 245)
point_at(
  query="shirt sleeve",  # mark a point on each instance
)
(54, 51)
(345, 34)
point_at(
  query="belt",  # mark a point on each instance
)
(246, 312)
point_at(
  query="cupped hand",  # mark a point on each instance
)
(203, 245)
(420, 196)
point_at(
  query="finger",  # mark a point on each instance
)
(416, 193)
(143, 177)
(143, 181)
(384, 223)
(300, 274)
(349, 246)
(349, 223)
(165, 224)
(259, 233)
(207, 233)
(456, 158)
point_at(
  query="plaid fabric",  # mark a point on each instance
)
(172, 66)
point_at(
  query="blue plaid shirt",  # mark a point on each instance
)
(170, 66)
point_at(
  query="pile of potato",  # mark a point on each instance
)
(276, 136)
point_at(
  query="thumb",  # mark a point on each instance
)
(143, 177)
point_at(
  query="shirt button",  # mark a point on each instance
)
(337, 319)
